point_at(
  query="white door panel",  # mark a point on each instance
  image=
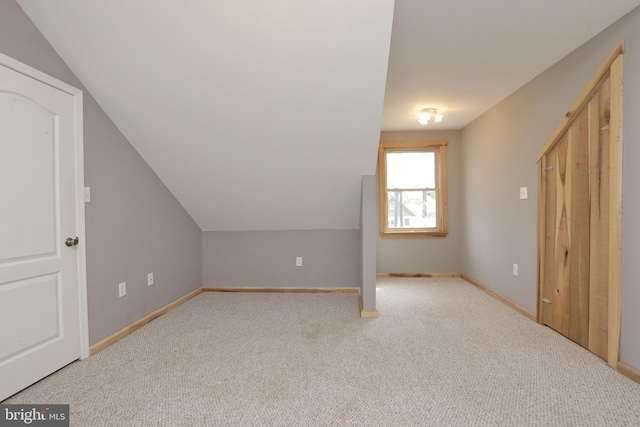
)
(40, 303)
(33, 304)
(27, 154)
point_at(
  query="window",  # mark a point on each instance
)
(413, 191)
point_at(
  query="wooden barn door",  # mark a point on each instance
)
(580, 218)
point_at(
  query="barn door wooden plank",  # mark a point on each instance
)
(542, 234)
(599, 137)
(615, 213)
(560, 301)
(578, 218)
(548, 169)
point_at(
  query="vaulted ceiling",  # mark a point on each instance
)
(265, 115)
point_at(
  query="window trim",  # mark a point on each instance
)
(441, 150)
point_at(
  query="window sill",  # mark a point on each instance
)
(411, 234)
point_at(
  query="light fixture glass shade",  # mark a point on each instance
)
(425, 115)
(424, 118)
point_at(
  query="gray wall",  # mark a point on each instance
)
(368, 233)
(500, 156)
(330, 258)
(133, 224)
(435, 254)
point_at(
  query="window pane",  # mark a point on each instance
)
(411, 209)
(411, 170)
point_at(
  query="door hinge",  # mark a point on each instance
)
(546, 300)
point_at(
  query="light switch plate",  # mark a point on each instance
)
(87, 194)
(523, 193)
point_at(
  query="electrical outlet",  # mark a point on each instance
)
(299, 261)
(149, 279)
(122, 289)
(515, 269)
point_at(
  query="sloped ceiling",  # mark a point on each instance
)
(264, 115)
(255, 114)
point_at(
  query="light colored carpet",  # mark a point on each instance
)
(442, 353)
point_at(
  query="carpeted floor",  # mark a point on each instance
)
(442, 353)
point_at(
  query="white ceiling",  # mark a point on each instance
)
(264, 115)
(465, 56)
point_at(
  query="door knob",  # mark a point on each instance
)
(71, 241)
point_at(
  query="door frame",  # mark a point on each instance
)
(612, 68)
(78, 142)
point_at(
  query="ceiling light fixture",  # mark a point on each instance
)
(425, 115)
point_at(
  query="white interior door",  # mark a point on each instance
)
(41, 307)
